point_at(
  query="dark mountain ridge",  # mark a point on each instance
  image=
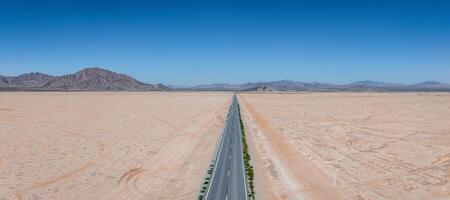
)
(96, 79)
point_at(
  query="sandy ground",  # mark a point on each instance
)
(101, 145)
(349, 145)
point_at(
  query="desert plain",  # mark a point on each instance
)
(158, 145)
(349, 145)
(107, 145)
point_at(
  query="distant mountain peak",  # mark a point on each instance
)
(429, 83)
(287, 81)
(34, 74)
(367, 82)
(94, 70)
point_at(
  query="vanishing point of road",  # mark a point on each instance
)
(228, 179)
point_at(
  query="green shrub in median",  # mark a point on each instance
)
(248, 167)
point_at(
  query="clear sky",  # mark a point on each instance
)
(188, 43)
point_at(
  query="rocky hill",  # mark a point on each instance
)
(34, 79)
(86, 79)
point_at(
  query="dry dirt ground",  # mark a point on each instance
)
(349, 145)
(106, 145)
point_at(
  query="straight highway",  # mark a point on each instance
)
(228, 177)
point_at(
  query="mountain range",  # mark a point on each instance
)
(96, 79)
(289, 85)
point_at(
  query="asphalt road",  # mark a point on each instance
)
(228, 178)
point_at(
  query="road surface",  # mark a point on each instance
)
(228, 178)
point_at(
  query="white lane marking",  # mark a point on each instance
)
(218, 156)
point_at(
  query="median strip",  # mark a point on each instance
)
(246, 155)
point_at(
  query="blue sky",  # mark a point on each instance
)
(188, 43)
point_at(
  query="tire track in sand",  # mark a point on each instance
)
(314, 184)
(170, 151)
